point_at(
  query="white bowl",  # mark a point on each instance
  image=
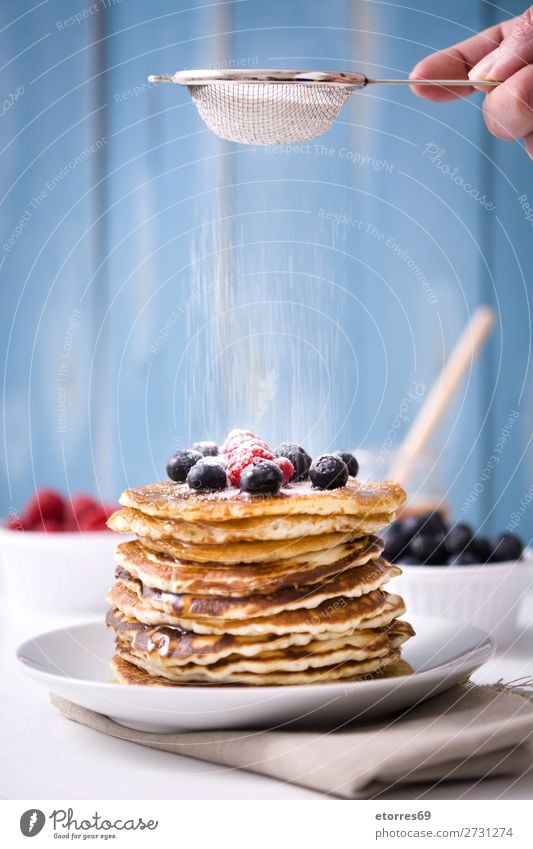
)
(56, 574)
(488, 595)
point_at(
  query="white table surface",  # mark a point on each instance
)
(44, 756)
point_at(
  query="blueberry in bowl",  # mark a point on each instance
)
(451, 572)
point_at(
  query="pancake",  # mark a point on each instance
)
(249, 552)
(163, 572)
(351, 584)
(229, 588)
(223, 664)
(177, 501)
(336, 615)
(175, 646)
(186, 647)
(292, 659)
(132, 670)
(255, 529)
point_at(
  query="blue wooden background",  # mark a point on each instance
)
(159, 284)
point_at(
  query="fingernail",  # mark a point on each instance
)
(482, 70)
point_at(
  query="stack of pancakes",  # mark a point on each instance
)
(228, 588)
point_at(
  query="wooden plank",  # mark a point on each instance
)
(50, 147)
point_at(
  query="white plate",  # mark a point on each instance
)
(74, 663)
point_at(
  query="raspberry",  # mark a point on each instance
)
(246, 448)
(239, 460)
(81, 510)
(243, 448)
(81, 504)
(49, 526)
(45, 504)
(96, 520)
(286, 467)
(253, 446)
(236, 434)
(236, 438)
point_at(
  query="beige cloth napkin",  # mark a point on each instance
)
(470, 732)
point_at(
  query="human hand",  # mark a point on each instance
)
(503, 52)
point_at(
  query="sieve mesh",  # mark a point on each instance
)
(269, 113)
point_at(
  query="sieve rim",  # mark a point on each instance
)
(205, 76)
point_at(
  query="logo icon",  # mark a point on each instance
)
(32, 822)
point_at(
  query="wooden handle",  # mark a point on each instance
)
(438, 400)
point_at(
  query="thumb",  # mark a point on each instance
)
(514, 52)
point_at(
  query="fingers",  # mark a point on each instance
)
(446, 65)
(508, 109)
(514, 52)
(503, 52)
(456, 62)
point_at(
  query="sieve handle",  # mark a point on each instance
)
(443, 83)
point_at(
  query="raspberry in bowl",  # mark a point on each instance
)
(451, 572)
(56, 556)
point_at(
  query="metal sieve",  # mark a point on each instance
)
(278, 107)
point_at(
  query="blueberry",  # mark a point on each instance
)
(506, 547)
(328, 472)
(209, 476)
(395, 541)
(179, 464)
(481, 548)
(261, 478)
(206, 449)
(411, 526)
(429, 549)
(464, 558)
(299, 458)
(432, 523)
(459, 537)
(351, 463)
